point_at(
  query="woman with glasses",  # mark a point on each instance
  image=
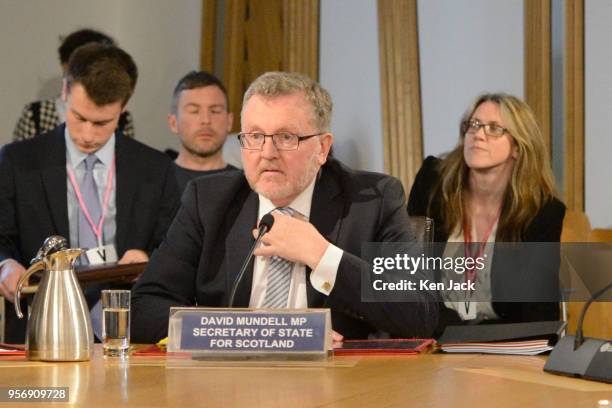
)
(495, 186)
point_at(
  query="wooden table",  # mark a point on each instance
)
(112, 272)
(435, 380)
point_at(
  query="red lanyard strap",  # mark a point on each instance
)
(470, 274)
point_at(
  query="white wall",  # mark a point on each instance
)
(598, 107)
(467, 47)
(162, 36)
(490, 32)
(349, 70)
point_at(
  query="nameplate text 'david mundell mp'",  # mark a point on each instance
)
(250, 333)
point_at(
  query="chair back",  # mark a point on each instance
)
(576, 227)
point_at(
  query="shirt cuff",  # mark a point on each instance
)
(323, 277)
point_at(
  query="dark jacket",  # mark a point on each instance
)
(33, 195)
(545, 227)
(211, 235)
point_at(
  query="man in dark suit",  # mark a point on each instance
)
(333, 210)
(42, 180)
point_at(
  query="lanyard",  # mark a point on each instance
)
(467, 239)
(470, 274)
(97, 229)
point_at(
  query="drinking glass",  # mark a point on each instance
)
(115, 322)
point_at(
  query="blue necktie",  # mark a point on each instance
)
(279, 277)
(87, 237)
(89, 192)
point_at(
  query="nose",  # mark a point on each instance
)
(480, 134)
(87, 134)
(268, 150)
(205, 116)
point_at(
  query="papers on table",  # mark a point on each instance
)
(526, 339)
(526, 348)
(12, 349)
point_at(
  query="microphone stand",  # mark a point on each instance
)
(579, 332)
(579, 357)
(264, 226)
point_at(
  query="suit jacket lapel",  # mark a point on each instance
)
(239, 241)
(326, 216)
(126, 185)
(53, 168)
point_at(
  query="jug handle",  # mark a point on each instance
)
(38, 266)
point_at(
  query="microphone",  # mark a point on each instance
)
(265, 224)
(579, 333)
(579, 357)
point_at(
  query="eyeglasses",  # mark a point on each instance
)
(282, 141)
(490, 129)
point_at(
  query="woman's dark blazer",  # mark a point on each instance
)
(545, 227)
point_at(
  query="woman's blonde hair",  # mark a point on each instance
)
(531, 184)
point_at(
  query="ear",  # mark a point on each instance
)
(172, 123)
(64, 90)
(230, 122)
(326, 140)
(515, 150)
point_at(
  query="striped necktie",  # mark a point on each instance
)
(279, 277)
(89, 191)
(87, 237)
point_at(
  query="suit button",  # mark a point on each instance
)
(327, 286)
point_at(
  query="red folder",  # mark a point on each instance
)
(12, 349)
(382, 347)
(151, 351)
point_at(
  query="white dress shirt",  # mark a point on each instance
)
(483, 310)
(322, 278)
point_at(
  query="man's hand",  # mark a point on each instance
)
(294, 240)
(10, 273)
(134, 256)
(337, 338)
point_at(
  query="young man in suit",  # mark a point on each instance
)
(285, 143)
(84, 180)
(44, 115)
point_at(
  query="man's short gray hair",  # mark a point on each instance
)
(273, 84)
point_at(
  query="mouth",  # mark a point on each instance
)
(206, 133)
(268, 172)
(88, 146)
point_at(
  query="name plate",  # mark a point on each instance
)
(266, 333)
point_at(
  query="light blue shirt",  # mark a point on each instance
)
(75, 162)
